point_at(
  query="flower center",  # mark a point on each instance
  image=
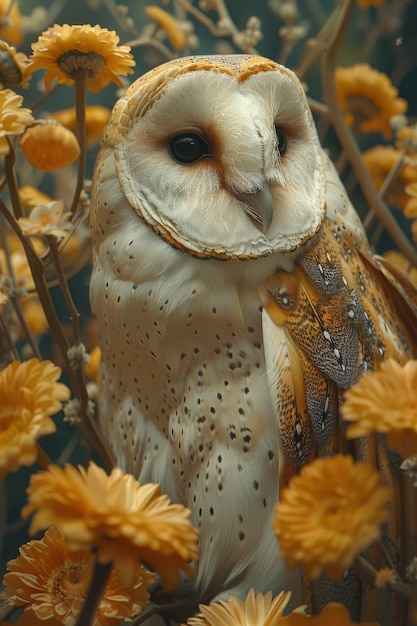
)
(74, 61)
(362, 108)
(10, 73)
(71, 581)
(11, 423)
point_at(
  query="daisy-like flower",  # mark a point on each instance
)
(121, 519)
(329, 513)
(31, 197)
(176, 37)
(65, 50)
(256, 610)
(13, 67)
(385, 401)
(368, 98)
(333, 614)
(48, 145)
(11, 22)
(96, 118)
(29, 395)
(380, 160)
(47, 219)
(52, 581)
(13, 117)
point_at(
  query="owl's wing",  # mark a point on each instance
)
(340, 312)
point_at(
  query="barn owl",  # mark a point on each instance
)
(236, 299)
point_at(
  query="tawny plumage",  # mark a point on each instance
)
(236, 300)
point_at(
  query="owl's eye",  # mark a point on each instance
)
(188, 148)
(281, 140)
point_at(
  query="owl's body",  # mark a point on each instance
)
(235, 298)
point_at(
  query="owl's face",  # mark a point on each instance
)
(220, 157)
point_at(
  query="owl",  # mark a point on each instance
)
(236, 299)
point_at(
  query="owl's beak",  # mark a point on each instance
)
(259, 206)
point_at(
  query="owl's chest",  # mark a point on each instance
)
(187, 384)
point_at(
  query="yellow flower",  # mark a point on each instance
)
(34, 316)
(256, 610)
(52, 581)
(29, 619)
(92, 368)
(13, 117)
(329, 513)
(96, 118)
(403, 264)
(333, 614)
(47, 219)
(177, 38)
(13, 67)
(406, 140)
(367, 98)
(10, 20)
(380, 160)
(48, 145)
(121, 519)
(385, 401)
(31, 197)
(29, 395)
(65, 50)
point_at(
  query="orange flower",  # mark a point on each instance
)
(48, 145)
(123, 520)
(29, 395)
(13, 67)
(66, 50)
(385, 401)
(333, 614)
(96, 118)
(92, 368)
(177, 38)
(380, 160)
(29, 619)
(329, 513)
(256, 610)
(31, 197)
(367, 98)
(48, 219)
(13, 117)
(52, 581)
(10, 20)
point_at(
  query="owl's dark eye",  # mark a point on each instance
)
(281, 140)
(188, 148)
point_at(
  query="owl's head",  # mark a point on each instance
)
(219, 156)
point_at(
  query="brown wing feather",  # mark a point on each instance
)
(340, 312)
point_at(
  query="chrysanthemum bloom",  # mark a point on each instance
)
(121, 519)
(402, 263)
(96, 118)
(333, 614)
(29, 395)
(13, 117)
(48, 145)
(329, 513)
(11, 21)
(380, 160)
(65, 50)
(92, 368)
(29, 619)
(385, 401)
(259, 610)
(13, 67)
(176, 37)
(52, 581)
(48, 219)
(31, 197)
(368, 98)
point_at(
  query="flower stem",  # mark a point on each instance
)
(98, 584)
(81, 77)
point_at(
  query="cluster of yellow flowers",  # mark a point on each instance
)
(108, 525)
